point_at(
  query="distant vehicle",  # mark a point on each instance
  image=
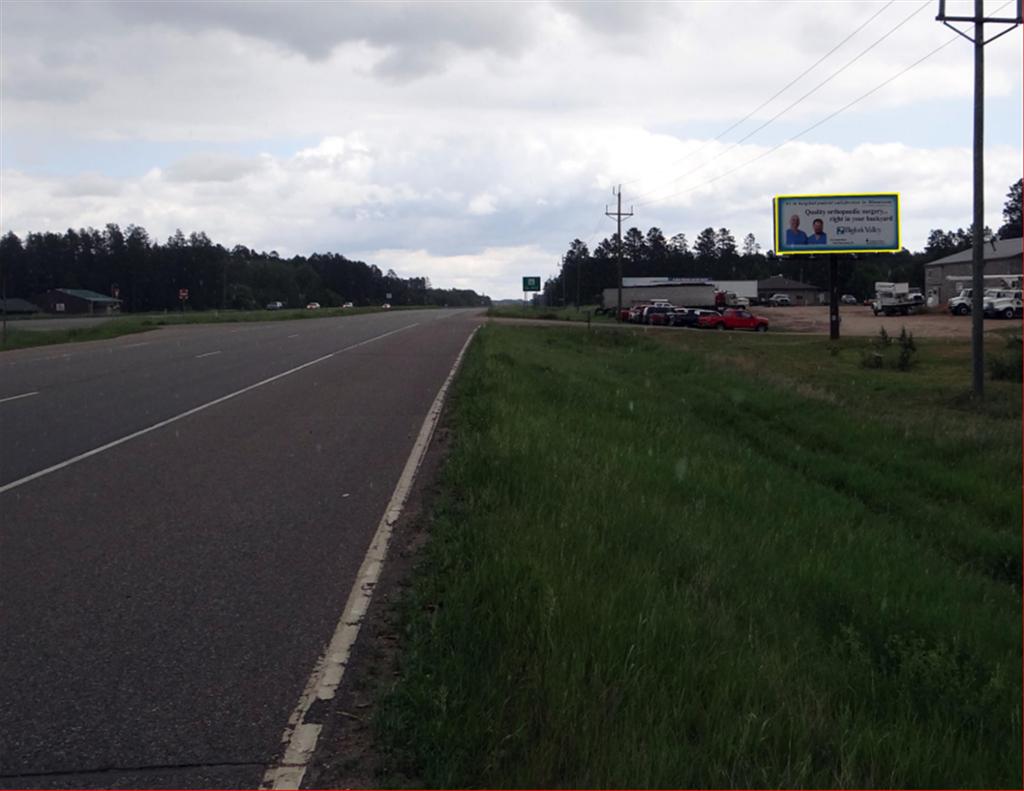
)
(848, 299)
(916, 297)
(386, 306)
(894, 298)
(275, 305)
(729, 299)
(734, 319)
(688, 317)
(313, 306)
(779, 300)
(348, 305)
(655, 314)
(960, 305)
(1002, 304)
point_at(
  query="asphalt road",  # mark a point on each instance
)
(162, 602)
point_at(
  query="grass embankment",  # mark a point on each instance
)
(549, 314)
(715, 560)
(18, 338)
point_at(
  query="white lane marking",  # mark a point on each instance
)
(296, 335)
(208, 354)
(15, 398)
(135, 345)
(300, 737)
(95, 451)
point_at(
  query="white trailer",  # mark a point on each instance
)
(895, 298)
(699, 295)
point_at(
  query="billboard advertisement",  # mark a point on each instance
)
(847, 223)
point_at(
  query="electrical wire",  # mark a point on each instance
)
(775, 95)
(786, 109)
(801, 133)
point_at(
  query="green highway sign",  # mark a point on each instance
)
(531, 284)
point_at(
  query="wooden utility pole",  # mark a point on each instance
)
(978, 268)
(617, 216)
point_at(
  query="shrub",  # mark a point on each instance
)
(1008, 366)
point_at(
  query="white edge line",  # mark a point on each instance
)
(15, 398)
(300, 738)
(95, 451)
(208, 354)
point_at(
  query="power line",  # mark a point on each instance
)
(813, 126)
(775, 95)
(786, 109)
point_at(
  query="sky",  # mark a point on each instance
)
(471, 142)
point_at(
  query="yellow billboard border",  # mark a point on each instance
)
(899, 223)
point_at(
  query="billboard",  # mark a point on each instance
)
(847, 223)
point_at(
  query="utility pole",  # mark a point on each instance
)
(562, 278)
(978, 269)
(618, 215)
(579, 273)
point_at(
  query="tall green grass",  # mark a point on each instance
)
(708, 561)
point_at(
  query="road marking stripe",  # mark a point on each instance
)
(300, 737)
(95, 451)
(135, 345)
(208, 354)
(15, 398)
(296, 335)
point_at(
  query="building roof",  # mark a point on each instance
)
(779, 283)
(998, 248)
(15, 305)
(88, 296)
(634, 282)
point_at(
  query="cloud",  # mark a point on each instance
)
(213, 167)
(380, 195)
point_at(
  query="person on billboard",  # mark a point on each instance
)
(793, 233)
(819, 236)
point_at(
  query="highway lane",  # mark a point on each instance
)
(162, 603)
(85, 395)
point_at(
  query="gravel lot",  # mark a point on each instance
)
(859, 320)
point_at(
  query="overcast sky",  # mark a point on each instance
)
(472, 142)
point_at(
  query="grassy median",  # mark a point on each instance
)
(707, 559)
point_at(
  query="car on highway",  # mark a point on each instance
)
(348, 305)
(275, 305)
(779, 300)
(386, 306)
(313, 306)
(848, 299)
(734, 319)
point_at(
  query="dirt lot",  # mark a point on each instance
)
(859, 320)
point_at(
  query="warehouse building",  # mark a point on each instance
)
(799, 293)
(946, 277)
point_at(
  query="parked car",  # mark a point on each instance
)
(848, 299)
(313, 306)
(779, 300)
(688, 317)
(734, 319)
(386, 306)
(348, 305)
(275, 305)
(916, 297)
(655, 314)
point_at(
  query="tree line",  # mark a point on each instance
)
(148, 275)
(715, 254)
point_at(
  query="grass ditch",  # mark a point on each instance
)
(550, 313)
(715, 560)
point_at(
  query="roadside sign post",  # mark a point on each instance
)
(530, 283)
(182, 297)
(841, 224)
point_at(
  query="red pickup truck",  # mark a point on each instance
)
(734, 319)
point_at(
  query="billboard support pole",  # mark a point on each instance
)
(833, 297)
